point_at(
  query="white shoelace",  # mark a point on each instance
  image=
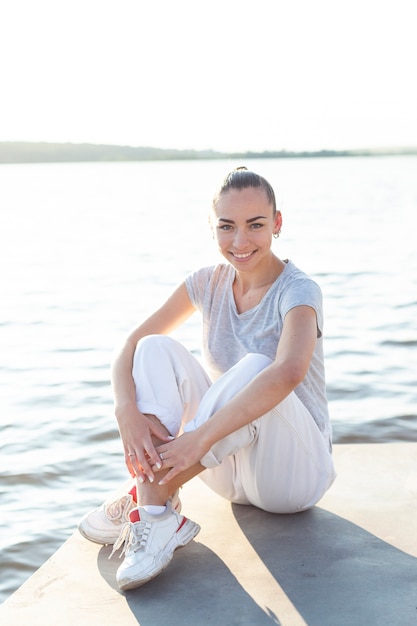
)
(132, 535)
(116, 509)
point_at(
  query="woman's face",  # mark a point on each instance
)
(243, 224)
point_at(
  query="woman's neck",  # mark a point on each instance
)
(249, 288)
(245, 282)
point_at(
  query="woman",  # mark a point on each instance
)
(254, 423)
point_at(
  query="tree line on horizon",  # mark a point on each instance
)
(44, 152)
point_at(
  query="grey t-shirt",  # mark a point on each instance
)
(228, 335)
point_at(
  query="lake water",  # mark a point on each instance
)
(87, 250)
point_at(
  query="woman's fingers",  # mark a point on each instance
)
(138, 465)
(142, 459)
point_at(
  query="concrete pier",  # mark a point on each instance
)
(349, 561)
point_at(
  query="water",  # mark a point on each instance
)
(87, 250)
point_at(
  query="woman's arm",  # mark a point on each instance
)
(136, 429)
(275, 382)
(262, 394)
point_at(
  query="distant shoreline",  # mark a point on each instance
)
(44, 152)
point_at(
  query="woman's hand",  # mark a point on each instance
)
(138, 433)
(180, 454)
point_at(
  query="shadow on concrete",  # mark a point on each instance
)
(197, 588)
(334, 572)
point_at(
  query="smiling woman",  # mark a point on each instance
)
(244, 219)
(253, 421)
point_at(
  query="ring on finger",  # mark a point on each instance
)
(131, 454)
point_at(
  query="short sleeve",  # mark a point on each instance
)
(303, 292)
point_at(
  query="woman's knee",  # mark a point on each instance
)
(156, 348)
(251, 364)
(155, 341)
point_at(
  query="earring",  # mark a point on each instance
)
(276, 235)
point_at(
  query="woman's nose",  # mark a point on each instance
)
(240, 239)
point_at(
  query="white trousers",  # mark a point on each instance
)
(280, 462)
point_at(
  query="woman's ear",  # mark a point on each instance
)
(278, 223)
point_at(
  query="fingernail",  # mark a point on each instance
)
(171, 438)
(150, 478)
(141, 479)
(158, 465)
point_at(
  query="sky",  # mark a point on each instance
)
(228, 75)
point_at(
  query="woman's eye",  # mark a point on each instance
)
(225, 227)
(255, 226)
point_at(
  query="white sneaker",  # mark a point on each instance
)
(150, 543)
(104, 524)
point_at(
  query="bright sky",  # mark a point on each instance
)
(220, 74)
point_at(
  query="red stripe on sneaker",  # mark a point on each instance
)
(134, 516)
(133, 493)
(184, 519)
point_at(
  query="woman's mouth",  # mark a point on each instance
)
(242, 256)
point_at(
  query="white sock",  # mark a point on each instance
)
(154, 509)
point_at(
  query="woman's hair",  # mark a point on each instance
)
(242, 178)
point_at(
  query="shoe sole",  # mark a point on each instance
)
(186, 534)
(104, 541)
